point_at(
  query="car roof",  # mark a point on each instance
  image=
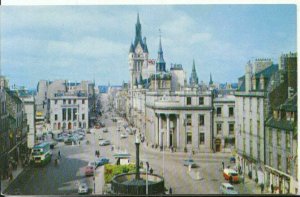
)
(227, 184)
(228, 170)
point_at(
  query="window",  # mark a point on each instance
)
(270, 158)
(251, 148)
(55, 102)
(74, 114)
(55, 116)
(74, 101)
(244, 145)
(202, 139)
(64, 101)
(219, 111)
(189, 120)
(258, 127)
(288, 142)
(83, 101)
(82, 117)
(69, 113)
(288, 166)
(279, 161)
(219, 128)
(189, 138)
(201, 120)
(251, 127)
(270, 136)
(278, 137)
(231, 112)
(69, 101)
(201, 101)
(231, 128)
(188, 100)
(64, 112)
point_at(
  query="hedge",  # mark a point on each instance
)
(111, 170)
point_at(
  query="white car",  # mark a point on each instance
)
(124, 135)
(83, 188)
(104, 142)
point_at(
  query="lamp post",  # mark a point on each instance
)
(137, 162)
(94, 163)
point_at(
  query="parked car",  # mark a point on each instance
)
(70, 141)
(227, 188)
(100, 137)
(102, 161)
(89, 170)
(83, 188)
(232, 159)
(129, 131)
(227, 173)
(104, 142)
(191, 162)
(105, 130)
(123, 135)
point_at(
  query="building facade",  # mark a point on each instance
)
(69, 111)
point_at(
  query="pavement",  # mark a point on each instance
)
(7, 182)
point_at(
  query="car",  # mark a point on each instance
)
(89, 170)
(100, 137)
(191, 162)
(123, 135)
(83, 188)
(88, 131)
(232, 159)
(105, 130)
(60, 139)
(227, 188)
(102, 161)
(104, 142)
(69, 141)
(227, 173)
(129, 131)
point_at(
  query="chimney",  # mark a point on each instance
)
(248, 77)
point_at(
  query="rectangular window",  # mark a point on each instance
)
(219, 111)
(288, 142)
(201, 120)
(55, 116)
(251, 148)
(270, 158)
(244, 145)
(188, 100)
(189, 120)
(55, 102)
(64, 112)
(189, 137)
(69, 113)
(201, 101)
(82, 117)
(279, 161)
(202, 139)
(64, 101)
(74, 114)
(74, 101)
(251, 132)
(231, 111)
(219, 128)
(231, 128)
(288, 166)
(83, 101)
(278, 137)
(69, 101)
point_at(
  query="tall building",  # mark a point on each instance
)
(251, 112)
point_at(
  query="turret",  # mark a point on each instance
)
(160, 63)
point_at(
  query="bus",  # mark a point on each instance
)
(41, 154)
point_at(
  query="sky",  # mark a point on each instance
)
(92, 42)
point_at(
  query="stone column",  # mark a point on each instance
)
(159, 130)
(177, 130)
(168, 130)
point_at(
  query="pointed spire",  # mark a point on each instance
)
(160, 64)
(210, 80)
(145, 46)
(138, 19)
(131, 50)
(138, 32)
(194, 77)
(194, 69)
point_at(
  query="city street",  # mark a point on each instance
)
(64, 178)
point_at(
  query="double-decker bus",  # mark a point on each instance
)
(41, 154)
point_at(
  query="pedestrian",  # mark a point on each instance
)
(262, 187)
(272, 188)
(223, 164)
(59, 154)
(170, 190)
(151, 170)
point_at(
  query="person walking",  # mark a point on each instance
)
(272, 188)
(261, 187)
(223, 164)
(151, 170)
(59, 154)
(170, 190)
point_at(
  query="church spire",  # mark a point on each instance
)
(210, 80)
(138, 32)
(160, 63)
(194, 77)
